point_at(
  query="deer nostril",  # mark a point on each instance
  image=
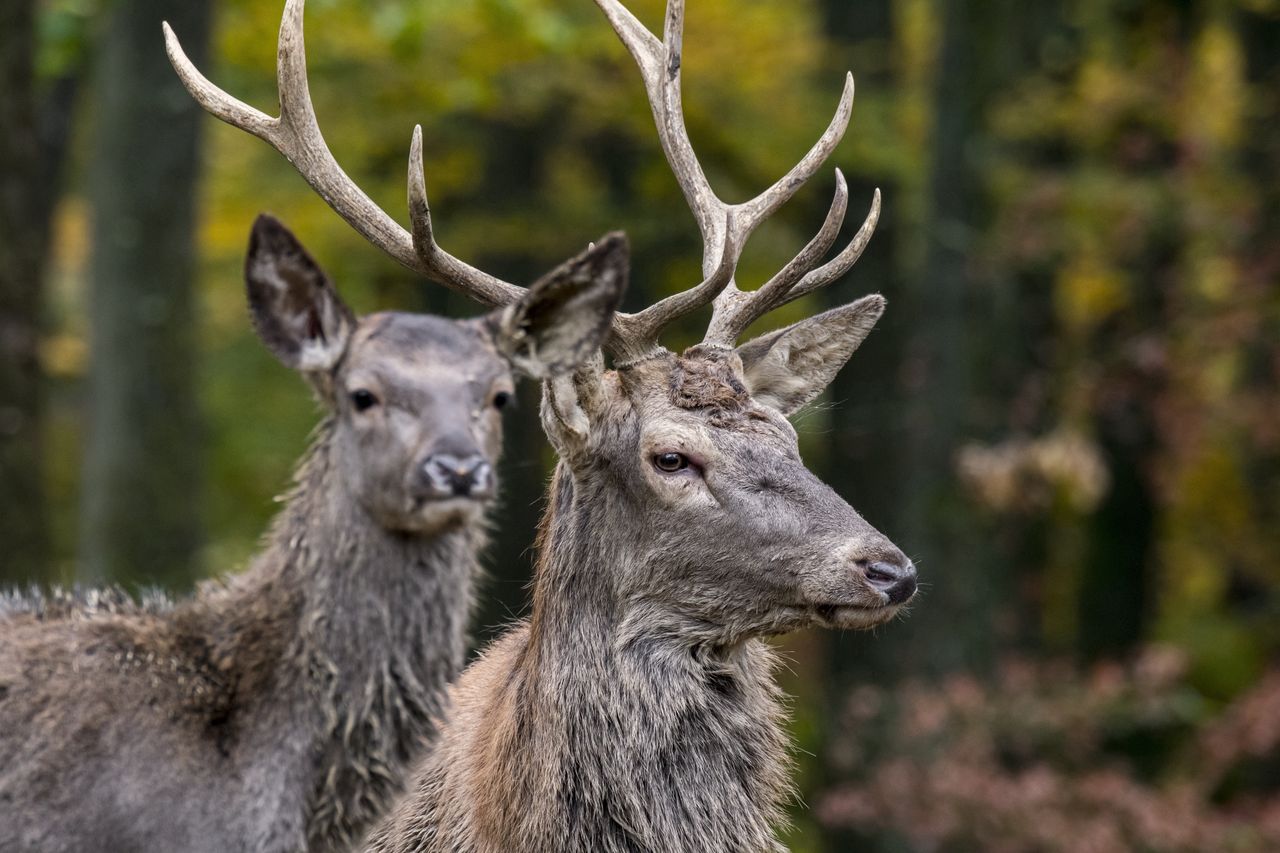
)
(447, 475)
(482, 479)
(896, 581)
(881, 573)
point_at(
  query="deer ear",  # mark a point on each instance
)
(788, 368)
(566, 315)
(296, 311)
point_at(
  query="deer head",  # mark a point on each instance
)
(415, 400)
(689, 459)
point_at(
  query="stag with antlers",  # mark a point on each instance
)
(635, 710)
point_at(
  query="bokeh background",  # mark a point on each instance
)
(1070, 415)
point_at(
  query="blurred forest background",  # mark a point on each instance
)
(1070, 415)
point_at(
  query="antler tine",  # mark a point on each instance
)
(438, 263)
(296, 134)
(764, 205)
(636, 335)
(841, 263)
(659, 63)
(736, 310)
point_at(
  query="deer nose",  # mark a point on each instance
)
(896, 580)
(452, 476)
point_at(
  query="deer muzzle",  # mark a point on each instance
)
(445, 475)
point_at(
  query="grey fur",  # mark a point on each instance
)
(636, 709)
(279, 710)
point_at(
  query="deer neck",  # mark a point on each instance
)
(615, 689)
(350, 631)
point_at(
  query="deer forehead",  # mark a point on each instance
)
(699, 400)
(710, 382)
(421, 345)
(690, 382)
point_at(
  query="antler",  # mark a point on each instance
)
(296, 134)
(726, 227)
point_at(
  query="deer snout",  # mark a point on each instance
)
(895, 578)
(882, 566)
(446, 475)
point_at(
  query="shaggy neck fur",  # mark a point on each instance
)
(623, 738)
(337, 646)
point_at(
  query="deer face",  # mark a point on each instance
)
(694, 460)
(417, 418)
(415, 400)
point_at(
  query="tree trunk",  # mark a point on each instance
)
(939, 362)
(142, 477)
(1114, 584)
(1116, 595)
(956, 318)
(24, 543)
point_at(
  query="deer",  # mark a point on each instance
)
(636, 709)
(280, 709)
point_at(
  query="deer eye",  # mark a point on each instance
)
(363, 400)
(501, 399)
(670, 463)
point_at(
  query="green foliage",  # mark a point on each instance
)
(63, 34)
